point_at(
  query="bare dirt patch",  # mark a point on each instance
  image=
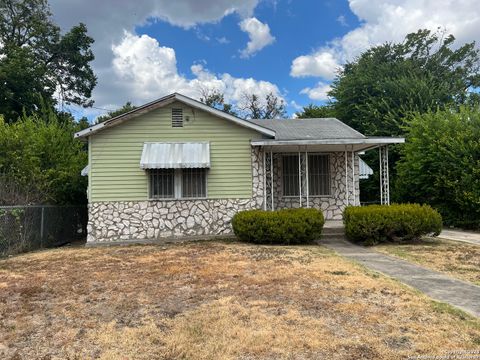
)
(215, 300)
(460, 260)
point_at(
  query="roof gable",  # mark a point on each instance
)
(164, 101)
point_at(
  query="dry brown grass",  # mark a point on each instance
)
(460, 260)
(215, 300)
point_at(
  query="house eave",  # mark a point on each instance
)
(351, 144)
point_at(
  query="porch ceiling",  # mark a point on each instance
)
(327, 145)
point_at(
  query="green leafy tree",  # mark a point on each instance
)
(441, 164)
(316, 111)
(124, 109)
(377, 92)
(40, 155)
(37, 60)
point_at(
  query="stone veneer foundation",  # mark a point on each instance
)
(125, 221)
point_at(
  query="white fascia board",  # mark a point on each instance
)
(372, 141)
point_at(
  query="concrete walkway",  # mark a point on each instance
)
(438, 286)
(460, 235)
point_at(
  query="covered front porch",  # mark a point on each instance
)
(322, 174)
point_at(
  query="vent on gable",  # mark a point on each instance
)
(177, 117)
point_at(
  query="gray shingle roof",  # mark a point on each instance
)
(309, 129)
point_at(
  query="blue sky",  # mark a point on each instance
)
(294, 48)
(297, 30)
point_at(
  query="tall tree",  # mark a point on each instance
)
(316, 111)
(386, 83)
(254, 107)
(111, 114)
(214, 98)
(37, 61)
(378, 91)
(251, 106)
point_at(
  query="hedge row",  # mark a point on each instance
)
(287, 227)
(374, 224)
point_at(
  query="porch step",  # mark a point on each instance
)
(333, 230)
(333, 236)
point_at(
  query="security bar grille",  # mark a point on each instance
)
(318, 174)
(177, 183)
(162, 183)
(290, 175)
(177, 117)
(194, 183)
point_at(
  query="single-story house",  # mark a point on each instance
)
(177, 167)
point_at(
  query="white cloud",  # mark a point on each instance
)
(107, 27)
(322, 64)
(259, 35)
(319, 92)
(294, 105)
(222, 40)
(342, 20)
(390, 20)
(145, 70)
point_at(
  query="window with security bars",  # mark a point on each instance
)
(162, 184)
(177, 117)
(318, 174)
(194, 183)
(177, 183)
(290, 175)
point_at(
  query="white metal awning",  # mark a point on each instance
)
(175, 155)
(364, 170)
(85, 171)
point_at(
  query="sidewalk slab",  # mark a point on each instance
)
(438, 286)
(460, 235)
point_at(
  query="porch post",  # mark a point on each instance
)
(271, 177)
(353, 179)
(264, 179)
(347, 195)
(300, 178)
(388, 176)
(306, 177)
(380, 175)
(384, 176)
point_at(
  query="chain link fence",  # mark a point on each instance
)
(26, 228)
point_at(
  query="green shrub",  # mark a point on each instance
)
(440, 164)
(287, 227)
(374, 224)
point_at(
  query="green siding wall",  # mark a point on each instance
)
(115, 173)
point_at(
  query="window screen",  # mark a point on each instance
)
(290, 175)
(318, 174)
